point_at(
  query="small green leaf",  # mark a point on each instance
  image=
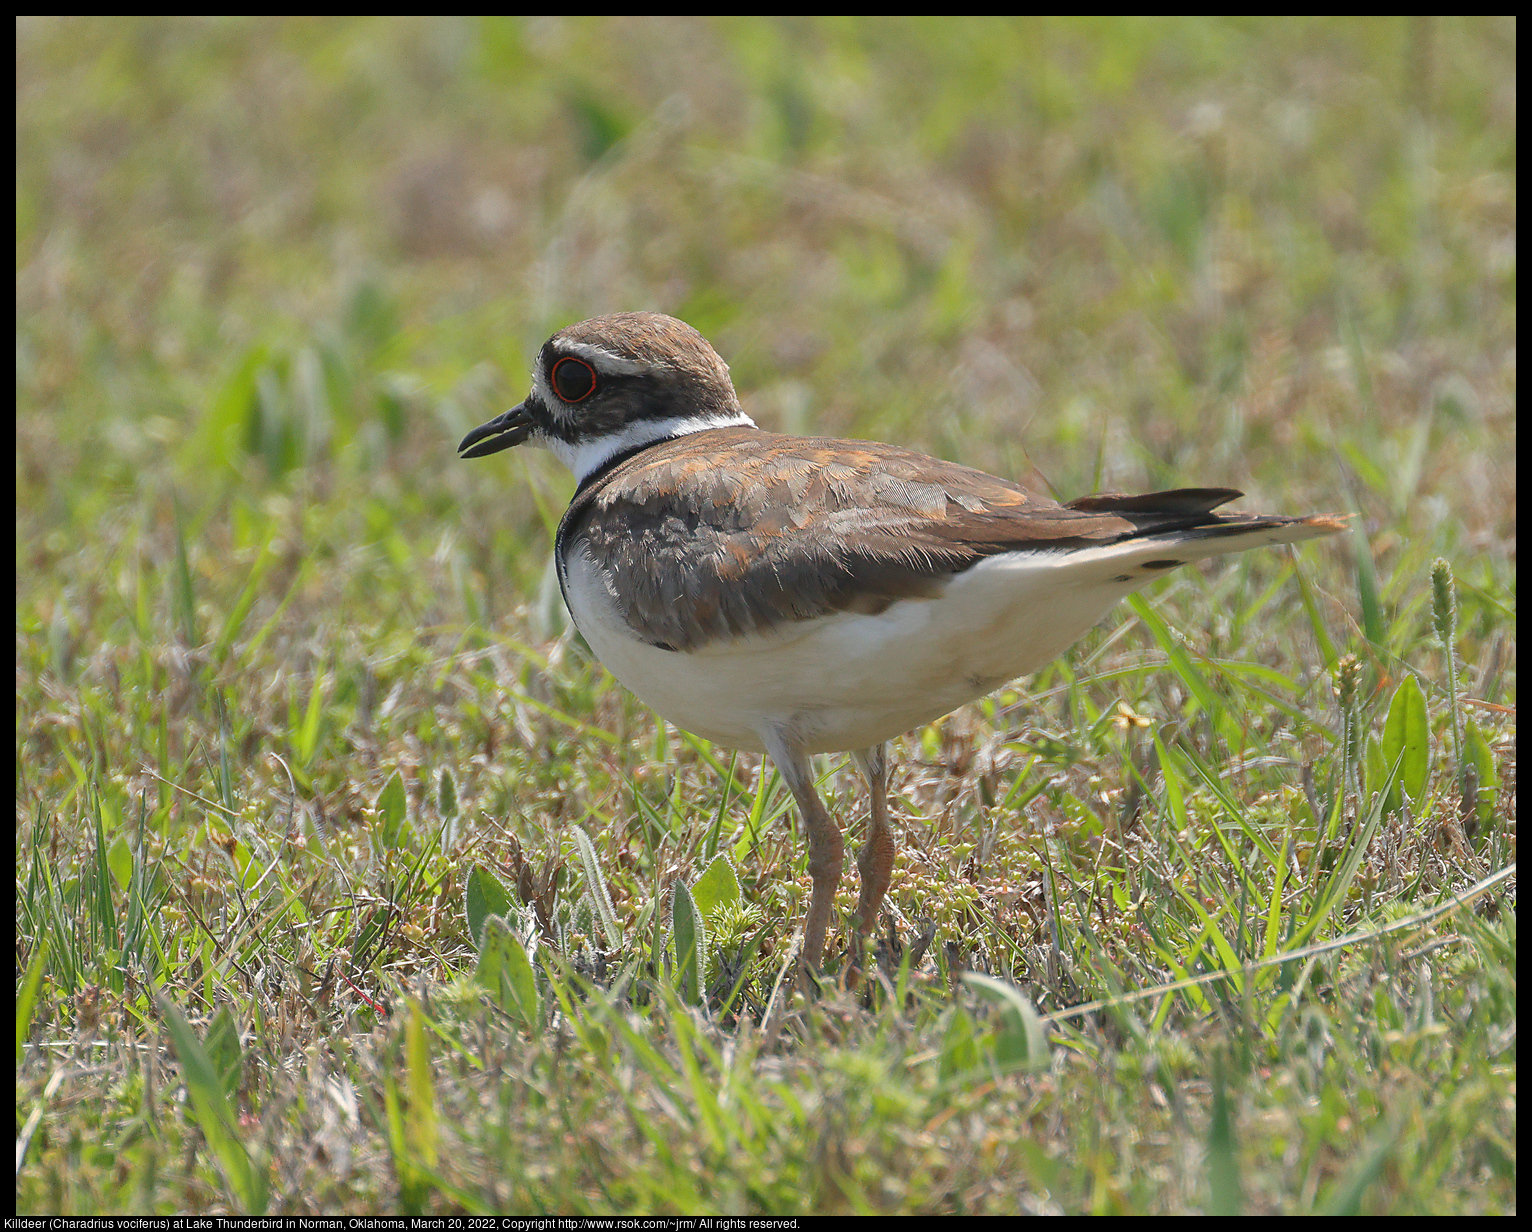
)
(506, 971)
(391, 811)
(484, 897)
(690, 935)
(119, 858)
(717, 887)
(595, 884)
(583, 919)
(1407, 738)
(1020, 1040)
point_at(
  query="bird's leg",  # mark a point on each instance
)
(825, 846)
(876, 862)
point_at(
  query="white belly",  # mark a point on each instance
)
(850, 681)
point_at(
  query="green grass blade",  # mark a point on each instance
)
(235, 620)
(183, 594)
(246, 1175)
(421, 1131)
(1180, 660)
(1316, 621)
(1367, 587)
(26, 997)
(1223, 1166)
(224, 1051)
(1273, 938)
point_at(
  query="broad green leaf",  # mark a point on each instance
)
(119, 858)
(506, 971)
(484, 897)
(1407, 738)
(1020, 1040)
(1376, 767)
(391, 811)
(717, 887)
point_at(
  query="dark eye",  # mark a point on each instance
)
(572, 379)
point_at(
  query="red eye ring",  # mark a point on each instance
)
(571, 383)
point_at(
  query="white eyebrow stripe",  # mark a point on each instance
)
(604, 360)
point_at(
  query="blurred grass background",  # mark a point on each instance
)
(270, 270)
(1164, 251)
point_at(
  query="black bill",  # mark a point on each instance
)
(499, 433)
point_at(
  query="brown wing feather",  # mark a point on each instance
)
(722, 532)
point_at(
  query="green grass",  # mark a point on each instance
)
(347, 881)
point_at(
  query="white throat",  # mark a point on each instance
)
(587, 456)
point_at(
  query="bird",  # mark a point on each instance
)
(798, 595)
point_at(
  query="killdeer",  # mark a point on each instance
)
(799, 595)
